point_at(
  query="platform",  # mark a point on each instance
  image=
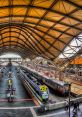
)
(16, 113)
(32, 112)
(22, 97)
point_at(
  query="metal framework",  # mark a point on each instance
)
(43, 28)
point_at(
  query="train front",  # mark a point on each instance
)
(45, 93)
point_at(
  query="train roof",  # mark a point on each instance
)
(62, 83)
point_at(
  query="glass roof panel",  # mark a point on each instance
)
(72, 48)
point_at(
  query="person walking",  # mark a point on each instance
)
(75, 110)
(67, 105)
(75, 106)
(78, 104)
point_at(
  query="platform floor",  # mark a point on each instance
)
(32, 112)
(22, 98)
(16, 113)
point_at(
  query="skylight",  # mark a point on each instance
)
(10, 55)
(72, 48)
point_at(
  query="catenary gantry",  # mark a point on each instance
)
(39, 27)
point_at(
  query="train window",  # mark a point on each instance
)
(56, 85)
(48, 81)
(45, 80)
(66, 87)
(38, 83)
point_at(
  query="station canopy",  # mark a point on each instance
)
(43, 28)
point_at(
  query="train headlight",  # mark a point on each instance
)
(44, 95)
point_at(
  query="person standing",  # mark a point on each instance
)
(67, 105)
(78, 104)
(75, 106)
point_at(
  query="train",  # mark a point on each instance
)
(40, 89)
(10, 91)
(60, 87)
(9, 82)
(10, 74)
(10, 94)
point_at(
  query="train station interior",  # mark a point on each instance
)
(40, 58)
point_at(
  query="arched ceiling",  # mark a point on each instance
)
(39, 27)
